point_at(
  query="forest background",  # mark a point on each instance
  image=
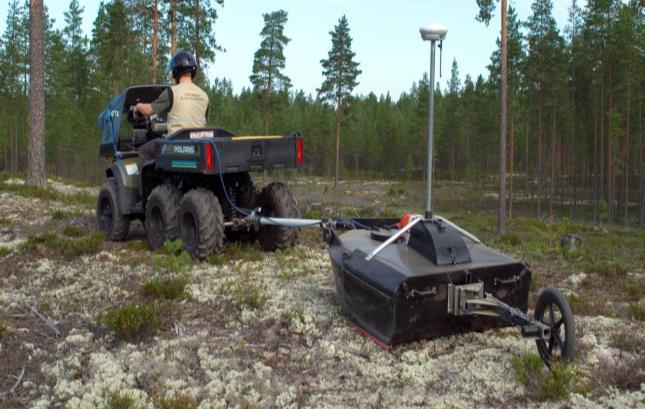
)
(574, 134)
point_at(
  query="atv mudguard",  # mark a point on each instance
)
(126, 173)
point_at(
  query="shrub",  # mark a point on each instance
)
(3, 331)
(245, 252)
(4, 251)
(74, 231)
(510, 239)
(134, 321)
(250, 297)
(66, 247)
(61, 214)
(170, 288)
(541, 383)
(637, 311)
(171, 258)
(117, 400)
(179, 401)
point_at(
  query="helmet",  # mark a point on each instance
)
(183, 62)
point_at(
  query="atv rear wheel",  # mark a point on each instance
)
(109, 218)
(201, 223)
(277, 200)
(161, 215)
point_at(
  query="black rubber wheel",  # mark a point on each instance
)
(553, 309)
(246, 198)
(201, 223)
(162, 208)
(276, 200)
(109, 218)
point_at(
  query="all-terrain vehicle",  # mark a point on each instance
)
(198, 187)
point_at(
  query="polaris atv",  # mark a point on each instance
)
(198, 187)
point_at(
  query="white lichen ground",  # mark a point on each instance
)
(297, 350)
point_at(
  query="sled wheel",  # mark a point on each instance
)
(201, 223)
(276, 200)
(161, 215)
(553, 309)
(109, 219)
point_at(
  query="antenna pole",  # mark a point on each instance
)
(433, 45)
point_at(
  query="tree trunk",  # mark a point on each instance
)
(501, 219)
(197, 40)
(173, 26)
(155, 28)
(512, 155)
(610, 153)
(338, 111)
(36, 148)
(574, 171)
(539, 164)
(552, 160)
(626, 161)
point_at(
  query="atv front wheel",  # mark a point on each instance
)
(201, 223)
(161, 215)
(277, 200)
(109, 219)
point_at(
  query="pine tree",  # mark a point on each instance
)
(269, 61)
(486, 8)
(197, 29)
(340, 72)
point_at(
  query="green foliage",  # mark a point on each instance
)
(250, 296)
(237, 251)
(67, 247)
(119, 400)
(134, 321)
(269, 60)
(3, 331)
(4, 251)
(139, 245)
(60, 215)
(4, 221)
(171, 258)
(170, 288)
(543, 384)
(339, 69)
(178, 401)
(637, 311)
(82, 199)
(510, 239)
(74, 231)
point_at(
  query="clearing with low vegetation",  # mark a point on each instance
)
(86, 323)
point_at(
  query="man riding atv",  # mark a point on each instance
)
(184, 103)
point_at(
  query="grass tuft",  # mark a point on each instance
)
(74, 231)
(67, 247)
(134, 321)
(541, 383)
(171, 258)
(169, 288)
(179, 401)
(118, 400)
(237, 251)
(3, 331)
(637, 311)
(4, 251)
(82, 199)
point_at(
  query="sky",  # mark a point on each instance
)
(385, 35)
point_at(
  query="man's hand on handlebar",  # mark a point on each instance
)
(142, 109)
